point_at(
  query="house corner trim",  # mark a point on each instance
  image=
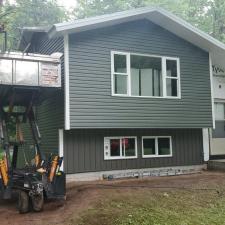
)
(211, 87)
(206, 144)
(66, 83)
(61, 146)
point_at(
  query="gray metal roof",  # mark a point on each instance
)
(158, 16)
(27, 33)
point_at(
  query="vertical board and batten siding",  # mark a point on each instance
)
(91, 103)
(84, 149)
(50, 114)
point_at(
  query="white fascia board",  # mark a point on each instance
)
(66, 83)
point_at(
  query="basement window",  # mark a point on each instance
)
(142, 75)
(156, 147)
(120, 147)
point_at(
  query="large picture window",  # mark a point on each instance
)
(145, 75)
(156, 147)
(120, 147)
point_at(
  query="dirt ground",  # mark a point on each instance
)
(81, 196)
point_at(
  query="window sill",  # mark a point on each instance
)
(156, 156)
(116, 158)
(156, 97)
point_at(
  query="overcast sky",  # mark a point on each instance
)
(68, 4)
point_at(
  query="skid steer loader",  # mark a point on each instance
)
(23, 80)
(42, 177)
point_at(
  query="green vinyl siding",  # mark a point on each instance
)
(91, 103)
(50, 113)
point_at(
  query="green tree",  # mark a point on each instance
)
(30, 13)
(208, 15)
(216, 13)
(86, 8)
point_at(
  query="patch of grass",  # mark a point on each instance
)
(156, 207)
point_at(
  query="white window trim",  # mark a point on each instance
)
(156, 147)
(120, 157)
(128, 74)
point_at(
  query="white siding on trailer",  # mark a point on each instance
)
(219, 87)
(218, 146)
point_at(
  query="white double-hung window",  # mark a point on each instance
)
(141, 75)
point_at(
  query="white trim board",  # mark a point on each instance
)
(206, 144)
(66, 81)
(61, 144)
(212, 92)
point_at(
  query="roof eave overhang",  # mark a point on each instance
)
(158, 16)
(97, 22)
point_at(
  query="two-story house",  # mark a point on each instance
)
(137, 91)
